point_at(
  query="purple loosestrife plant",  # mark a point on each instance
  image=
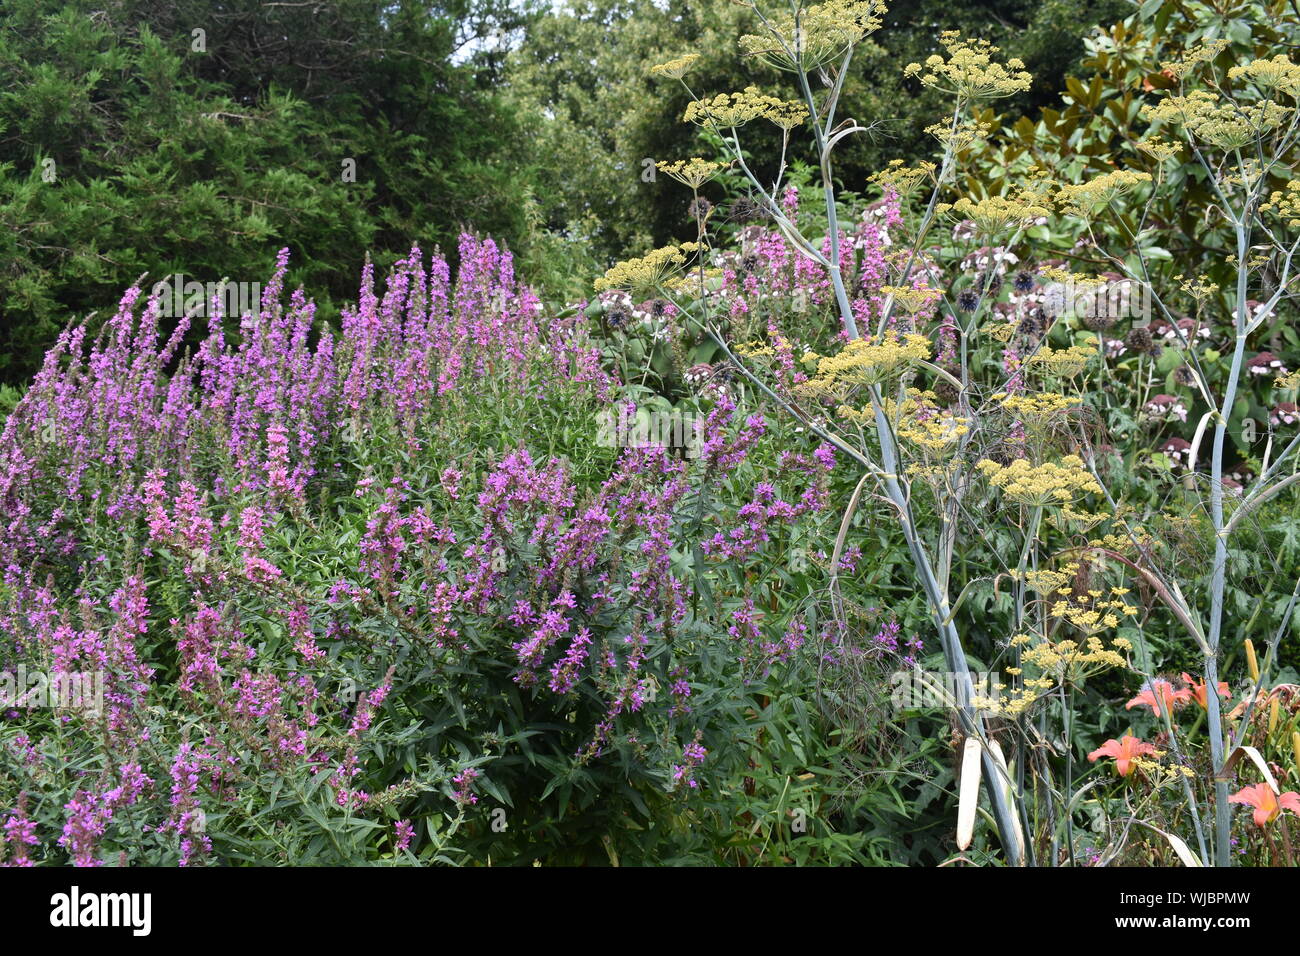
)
(330, 579)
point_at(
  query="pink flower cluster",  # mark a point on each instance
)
(203, 462)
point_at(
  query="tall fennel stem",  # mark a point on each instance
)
(1197, 826)
(832, 216)
(1222, 818)
(837, 280)
(1067, 707)
(1031, 536)
(954, 653)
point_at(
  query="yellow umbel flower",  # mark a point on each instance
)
(1046, 484)
(1278, 74)
(1078, 280)
(1193, 57)
(1057, 663)
(1066, 362)
(1002, 331)
(1200, 288)
(1035, 408)
(1285, 203)
(1226, 125)
(787, 114)
(676, 69)
(648, 273)
(1093, 612)
(823, 33)
(1071, 520)
(754, 349)
(730, 110)
(1016, 701)
(692, 173)
(960, 137)
(900, 178)
(1044, 581)
(1160, 149)
(969, 70)
(912, 299)
(936, 435)
(688, 283)
(864, 362)
(919, 421)
(1069, 660)
(1289, 380)
(996, 215)
(1082, 200)
(1122, 543)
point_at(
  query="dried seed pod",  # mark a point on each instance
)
(1139, 340)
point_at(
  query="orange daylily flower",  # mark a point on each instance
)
(1260, 700)
(1157, 692)
(1123, 751)
(1198, 690)
(1268, 805)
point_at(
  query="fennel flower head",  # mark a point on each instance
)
(732, 110)
(823, 33)
(969, 71)
(648, 273)
(1049, 483)
(863, 362)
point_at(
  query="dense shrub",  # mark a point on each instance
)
(132, 144)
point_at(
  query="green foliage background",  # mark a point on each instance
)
(170, 160)
(581, 83)
(529, 124)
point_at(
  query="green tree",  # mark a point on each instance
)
(580, 79)
(200, 137)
